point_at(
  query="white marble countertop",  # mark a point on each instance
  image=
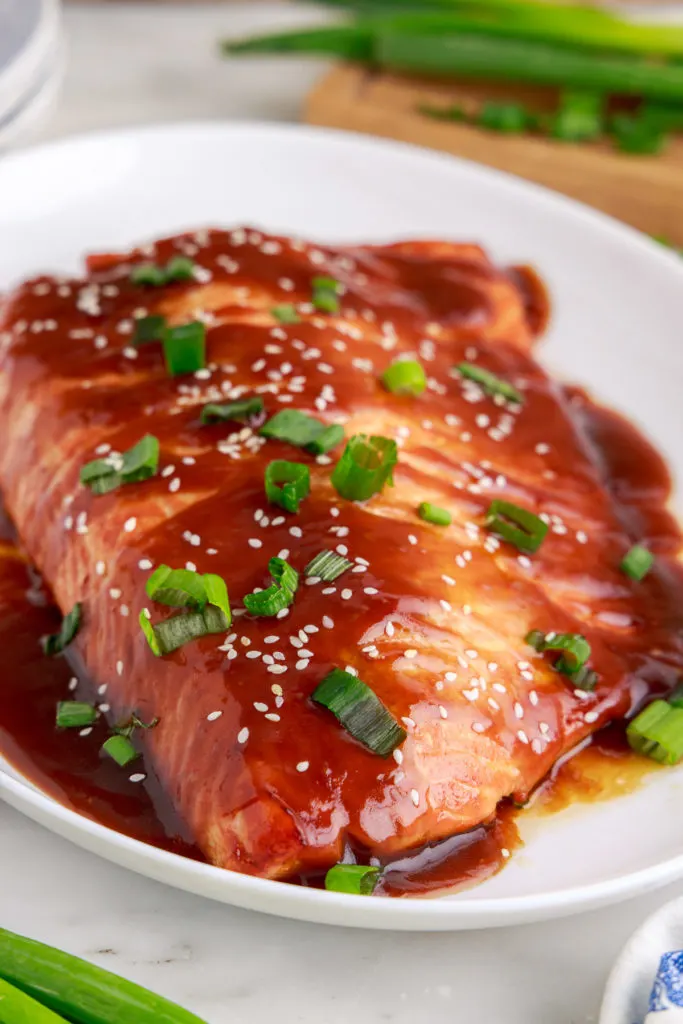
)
(141, 63)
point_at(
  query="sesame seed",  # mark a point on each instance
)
(412, 538)
(277, 669)
(190, 566)
(415, 797)
(408, 722)
(253, 654)
(328, 623)
(590, 716)
(213, 716)
(130, 524)
(272, 716)
(519, 710)
(119, 668)
(477, 727)
(522, 736)
(137, 777)
(260, 706)
(351, 670)
(254, 542)
(296, 531)
(144, 564)
(86, 731)
(282, 614)
(243, 735)
(302, 766)
(442, 711)
(174, 485)
(504, 852)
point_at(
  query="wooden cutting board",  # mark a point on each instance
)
(645, 191)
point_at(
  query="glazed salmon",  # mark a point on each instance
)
(432, 618)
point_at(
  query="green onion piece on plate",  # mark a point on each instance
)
(55, 643)
(434, 514)
(489, 382)
(277, 597)
(168, 636)
(137, 464)
(180, 268)
(637, 134)
(574, 653)
(325, 296)
(360, 711)
(185, 348)
(637, 562)
(405, 377)
(179, 588)
(365, 467)
(148, 273)
(356, 879)
(287, 483)
(18, 1008)
(133, 723)
(326, 440)
(293, 426)
(120, 749)
(516, 525)
(148, 329)
(286, 313)
(327, 566)
(242, 409)
(657, 732)
(74, 714)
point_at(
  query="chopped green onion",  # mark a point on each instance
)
(135, 723)
(242, 409)
(286, 313)
(405, 377)
(637, 134)
(326, 294)
(575, 652)
(179, 588)
(433, 514)
(516, 525)
(327, 439)
(74, 714)
(55, 643)
(278, 596)
(296, 483)
(356, 879)
(579, 118)
(637, 562)
(489, 382)
(327, 566)
(148, 329)
(179, 630)
(509, 118)
(185, 348)
(137, 464)
(302, 430)
(148, 273)
(180, 268)
(120, 749)
(657, 732)
(216, 591)
(365, 467)
(360, 711)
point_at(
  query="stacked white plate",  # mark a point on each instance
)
(31, 61)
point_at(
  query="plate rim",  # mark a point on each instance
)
(281, 898)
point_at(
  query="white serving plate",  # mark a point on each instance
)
(618, 315)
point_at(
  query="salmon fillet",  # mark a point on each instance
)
(433, 619)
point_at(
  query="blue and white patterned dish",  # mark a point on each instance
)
(646, 984)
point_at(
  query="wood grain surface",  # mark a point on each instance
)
(645, 191)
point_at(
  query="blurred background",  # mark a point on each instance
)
(585, 99)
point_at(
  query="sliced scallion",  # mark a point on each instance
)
(286, 313)
(287, 483)
(325, 296)
(74, 714)
(490, 382)
(579, 118)
(242, 409)
(365, 467)
(56, 643)
(434, 514)
(303, 431)
(508, 118)
(357, 879)
(185, 348)
(657, 732)
(179, 268)
(327, 566)
(135, 465)
(133, 723)
(574, 652)
(120, 749)
(360, 711)
(516, 525)
(279, 595)
(637, 562)
(168, 636)
(178, 588)
(405, 377)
